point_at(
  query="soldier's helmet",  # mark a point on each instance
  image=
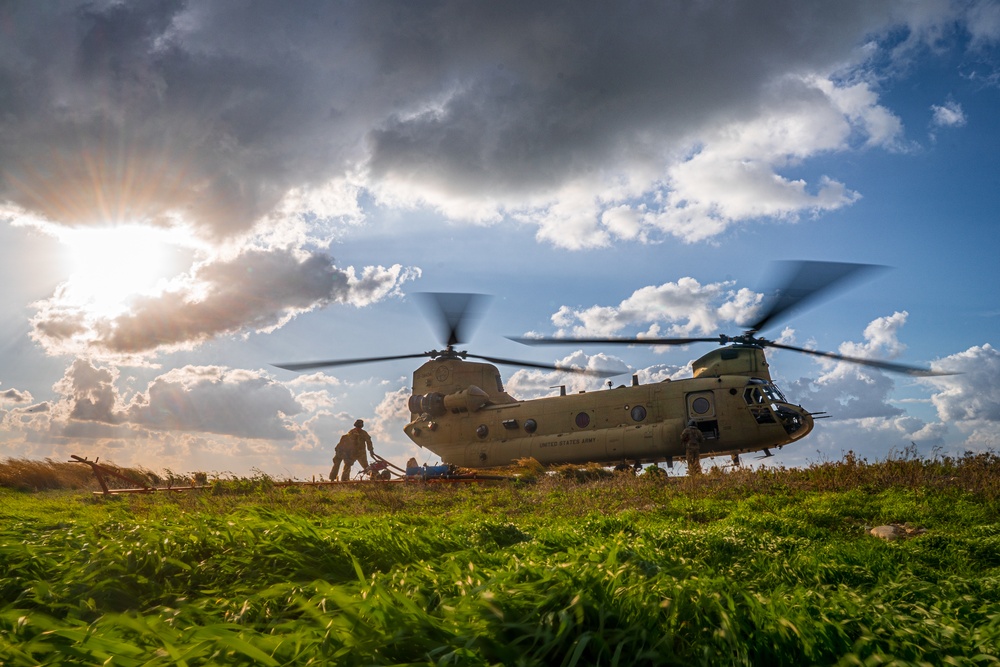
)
(359, 423)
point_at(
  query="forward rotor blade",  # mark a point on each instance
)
(890, 366)
(805, 281)
(613, 341)
(548, 367)
(456, 313)
(307, 365)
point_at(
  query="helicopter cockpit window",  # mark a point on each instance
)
(638, 413)
(758, 402)
(773, 393)
(768, 389)
(753, 396)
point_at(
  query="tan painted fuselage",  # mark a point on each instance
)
(460, 411)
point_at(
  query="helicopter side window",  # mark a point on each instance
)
(638, 413)
(582, 420)
(753, 396)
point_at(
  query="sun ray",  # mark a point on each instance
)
(108, 266)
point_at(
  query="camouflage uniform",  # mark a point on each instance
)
(351, 449)
(691, 438)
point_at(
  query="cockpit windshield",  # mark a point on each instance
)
(763, 391)
(773, 393)
(762, 397)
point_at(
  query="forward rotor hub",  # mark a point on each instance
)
(447, 353)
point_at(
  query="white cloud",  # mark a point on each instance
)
(15, 396)
(313, 401)
(89, 392)
(687, 306)
(967, 401)
(872, 439)
(623, 222)
(211, 399)
(391, 414)
(851, 391)
(973, 393)
(950, 114)
(881, 339)
(533, 383)
(318, 378)
(984, 23)
(661, 372)
(985, 438)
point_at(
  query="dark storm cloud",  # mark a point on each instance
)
(253, 121)
(550, 89)
(112, 116)
(214, 112)
(258, 290)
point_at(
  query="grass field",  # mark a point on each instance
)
(572, 568)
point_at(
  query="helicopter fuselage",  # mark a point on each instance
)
(460, 411)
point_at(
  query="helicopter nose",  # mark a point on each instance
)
(795, 420)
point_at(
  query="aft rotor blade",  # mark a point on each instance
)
(805, 281)
(890, 366)
(614, 341)
(456, 313)
(548, 367)
(308, 365)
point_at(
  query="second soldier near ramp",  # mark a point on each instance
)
(351, 448)
(692, 439)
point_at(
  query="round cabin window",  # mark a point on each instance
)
(482, 431)
(638, 413)
(582, 420)
(530, 426)
(701, 405)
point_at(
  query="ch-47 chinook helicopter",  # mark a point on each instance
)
(460, 411)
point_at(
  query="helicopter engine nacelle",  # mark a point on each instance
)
(434, 404)
(431, 404)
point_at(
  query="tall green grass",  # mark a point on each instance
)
(736, 568)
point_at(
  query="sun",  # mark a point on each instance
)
(110, 265)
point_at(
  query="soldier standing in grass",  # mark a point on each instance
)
(691, 438)
(351, 448)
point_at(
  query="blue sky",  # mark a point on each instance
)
(191, 192)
